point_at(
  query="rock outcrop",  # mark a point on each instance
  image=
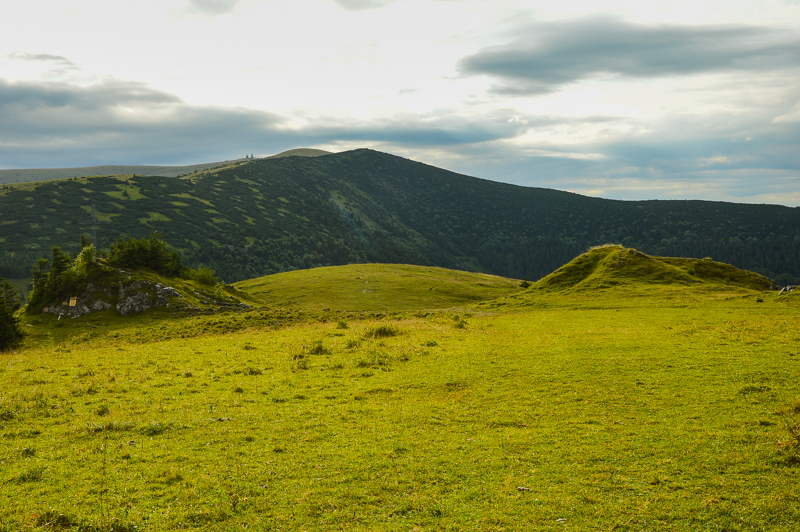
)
(132, 297)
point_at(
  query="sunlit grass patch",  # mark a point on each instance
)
(571, 411)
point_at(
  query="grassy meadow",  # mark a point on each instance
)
(377, 287)
(659, 408)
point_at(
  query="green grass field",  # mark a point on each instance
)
(669, 407)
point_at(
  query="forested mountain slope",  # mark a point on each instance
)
(270, 215)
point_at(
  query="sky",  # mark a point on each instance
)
(616, 99)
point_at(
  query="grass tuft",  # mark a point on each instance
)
(155, 428)
(382, 331)
(33, 474)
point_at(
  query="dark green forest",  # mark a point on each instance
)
(272, 215)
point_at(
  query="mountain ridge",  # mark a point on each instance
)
(270, 215)
(27, 175)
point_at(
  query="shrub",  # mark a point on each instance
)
(203, 275)
(318, 349)
(151, 252)
(382, 331)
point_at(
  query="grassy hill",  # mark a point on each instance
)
(612, 266)
(376, 287)
(582, 413)
(279, 214)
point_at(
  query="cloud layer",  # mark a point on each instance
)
(544, 57)
(130, 123)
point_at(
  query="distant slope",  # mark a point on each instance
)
(279, 214)
(376, 287)
(50, 174)
(610, 266)
(301, 152)
(28, 175)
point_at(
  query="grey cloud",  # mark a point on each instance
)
(57, 124)
(418, 131)
(214, 7)
(51, 124)
(57, 60)
(358, 5)
(543, 57)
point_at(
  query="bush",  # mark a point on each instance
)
(203, 275)
(151, 252)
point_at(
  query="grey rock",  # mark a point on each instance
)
(135, 304)
(100, 305)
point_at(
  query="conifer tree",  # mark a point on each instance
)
(9, 326)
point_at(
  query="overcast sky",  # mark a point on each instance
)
(618, 99)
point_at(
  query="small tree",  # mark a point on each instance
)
(38, 283)
(85, 241)
(9, 326)
(56, 277)
(9, 294)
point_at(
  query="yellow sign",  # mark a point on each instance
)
(73, 301)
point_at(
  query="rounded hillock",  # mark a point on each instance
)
(376, 287)
(614, 265)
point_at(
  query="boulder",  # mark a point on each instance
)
(136, 303)
(100, 305)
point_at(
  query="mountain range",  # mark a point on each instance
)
(253, 217)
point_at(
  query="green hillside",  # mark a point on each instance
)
(376, 287)
(615, 266)
(280, 214)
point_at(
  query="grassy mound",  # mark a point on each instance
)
(614, 265)
(376, 287)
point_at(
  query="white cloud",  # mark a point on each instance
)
(793, 116)
(214, 7)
